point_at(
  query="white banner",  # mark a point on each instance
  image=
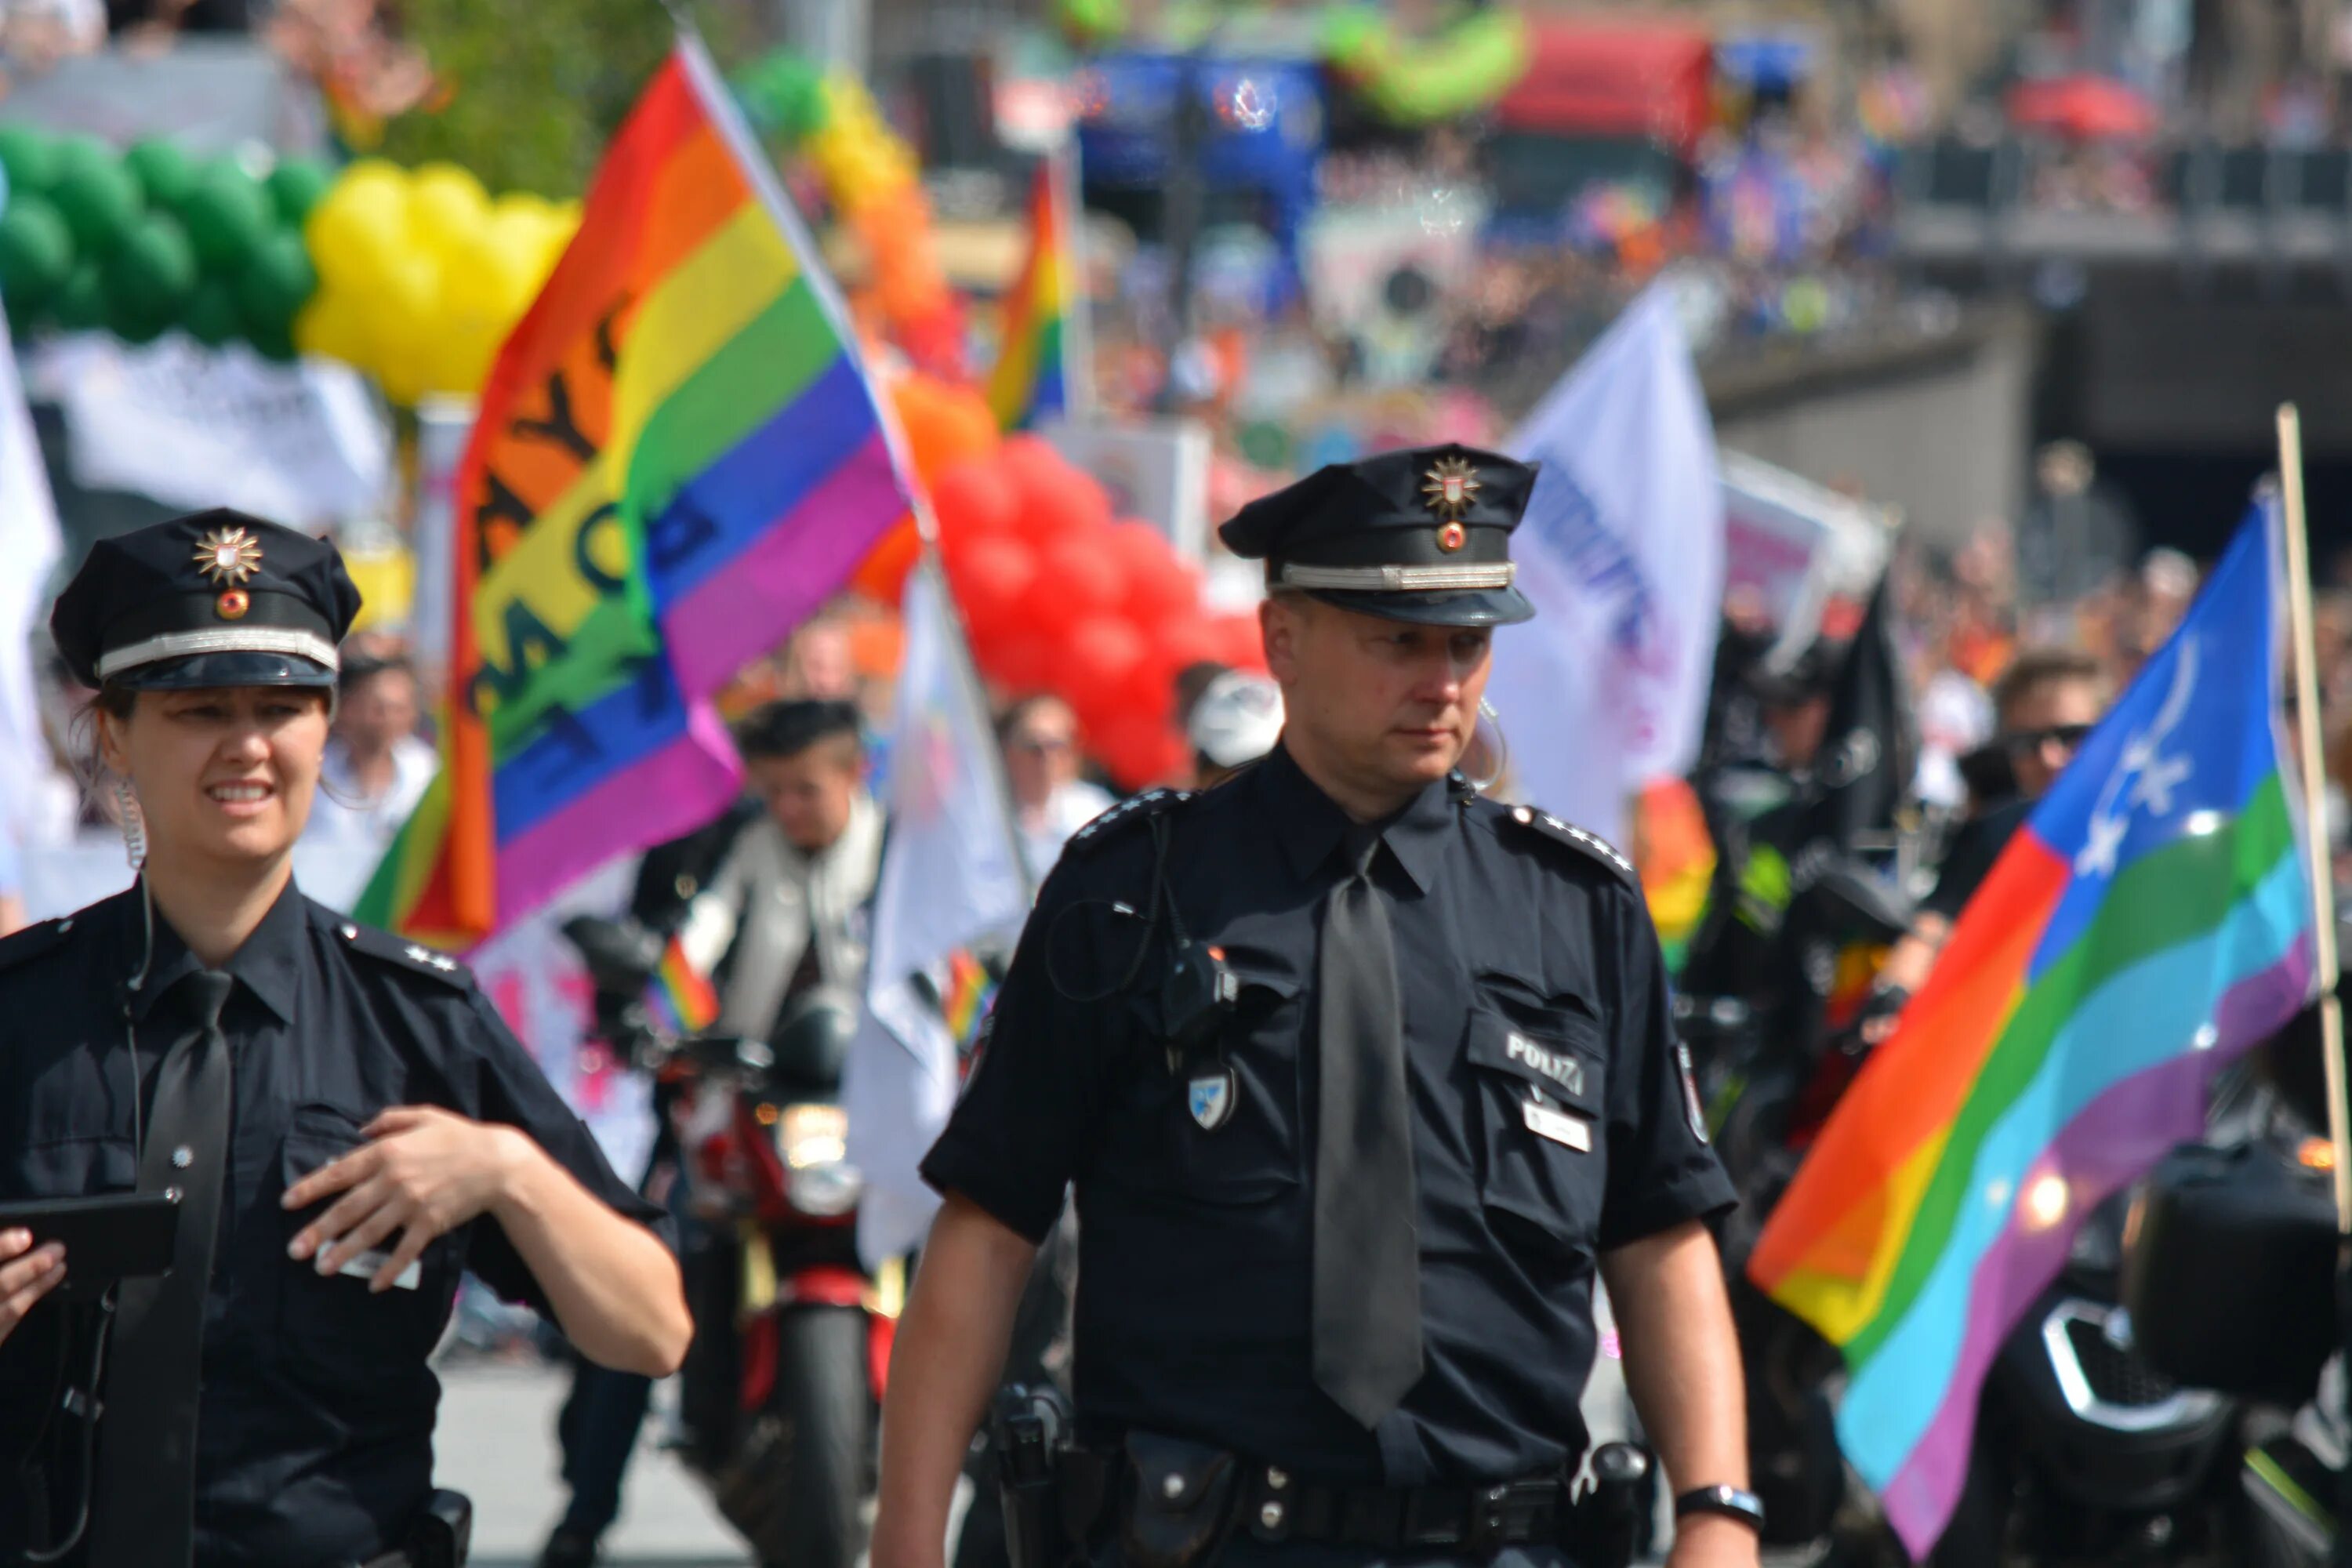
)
(950, 874)
(29, 546)
(1621, 552)
(1793, 544)
(304, 445)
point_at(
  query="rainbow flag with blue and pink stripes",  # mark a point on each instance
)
(678, 456)
(680, 996)
(2152, 920)
(1031, 380)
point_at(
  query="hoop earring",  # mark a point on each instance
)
(1500, 749)
(133, 823)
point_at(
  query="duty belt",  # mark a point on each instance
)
(1511, 1513)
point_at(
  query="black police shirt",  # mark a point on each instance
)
(314, 1432)
(1529, 975)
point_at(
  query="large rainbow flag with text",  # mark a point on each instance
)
(678, 456)
(1032, 376)
(2152, 920)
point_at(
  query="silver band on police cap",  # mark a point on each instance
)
(241, 639)
(1400, 579)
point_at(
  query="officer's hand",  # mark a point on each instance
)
(426, 1173)
(25, 1274)
(1703, 1541)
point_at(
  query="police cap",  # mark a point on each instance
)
(1423, 534)
(212, 599)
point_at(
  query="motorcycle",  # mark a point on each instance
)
(780, 1393)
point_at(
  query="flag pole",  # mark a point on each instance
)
(2314, 799)
(1077, 333)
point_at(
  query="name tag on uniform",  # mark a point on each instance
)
(1558, 1126)
(364, 1266)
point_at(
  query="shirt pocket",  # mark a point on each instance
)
(1222, 1127)
(334, 1324)
(1541, 1080)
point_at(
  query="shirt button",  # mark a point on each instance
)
(1271, 1516)
(1173, 1488)
(1277, 1479)
(182, 1157)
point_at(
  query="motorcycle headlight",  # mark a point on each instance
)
(814, 1140)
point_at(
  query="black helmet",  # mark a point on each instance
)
(810, 1041)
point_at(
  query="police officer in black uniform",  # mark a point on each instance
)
(346, 1120)
(1358, 1077)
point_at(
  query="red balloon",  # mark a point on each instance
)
(989, 575)
(1084, 574)
(1056, 498)
(1159, 583)
(1137, 750)
(1099, 664)
(1240, 642)
(882, 575)
(1021, 662)
(973, 500)
(1181, 640)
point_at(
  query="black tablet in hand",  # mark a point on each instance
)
(114, 1236)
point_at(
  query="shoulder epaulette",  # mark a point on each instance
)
(1125, 814)
(23, 946)
(1588, 844)
(403, 953)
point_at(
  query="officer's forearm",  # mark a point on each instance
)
(1682, 1355)
(614, 1286)
(944, 1366)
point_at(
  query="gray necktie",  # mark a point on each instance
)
(1367, 1308)
(145, 1506)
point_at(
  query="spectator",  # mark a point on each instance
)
(373, 774)
(1040, 739)
(1235, 721)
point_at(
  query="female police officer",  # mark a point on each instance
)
(1339, 1220)
(348, 1123)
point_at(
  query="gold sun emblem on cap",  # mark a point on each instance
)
(226, 556)
(1449, 487)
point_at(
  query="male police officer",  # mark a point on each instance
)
(1356, 1074)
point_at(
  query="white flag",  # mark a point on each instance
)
(29, 546)
(950, 874)
(1621, 552)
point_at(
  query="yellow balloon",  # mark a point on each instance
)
(357, 226)
(405, 377)
(333, 326)
(460, 361)
(489, 282)
(446, 206)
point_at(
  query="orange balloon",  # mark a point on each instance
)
(882, 575)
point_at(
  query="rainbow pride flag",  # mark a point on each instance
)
(966, 1000)
(1032, 376)
(2152, 920)
(678, 456)
(680, 996)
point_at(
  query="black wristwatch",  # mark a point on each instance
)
(1728, 1501)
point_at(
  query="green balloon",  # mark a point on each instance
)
(211, 315)
(29, 154)
(132, 316)
(163, 171)
(274, 342)
(228, 214)
(37, 252)
(80, 304)
(99, 198)
(296, 186)
(275, 283)
(154, 266)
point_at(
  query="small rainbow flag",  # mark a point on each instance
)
(2152, 920)
(680, 996)
(966, 1000)
(1032, 376)
(678, 456)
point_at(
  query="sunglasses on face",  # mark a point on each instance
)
(1041, 745)
(2070, 736)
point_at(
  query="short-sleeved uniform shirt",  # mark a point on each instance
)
(1530, 976)
(315, 1426)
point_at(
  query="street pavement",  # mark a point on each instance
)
(496, 1443)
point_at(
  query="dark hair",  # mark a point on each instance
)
(1019, 708)
(361, 668)
(786, 729)
(2035, 667)
(1191, 682)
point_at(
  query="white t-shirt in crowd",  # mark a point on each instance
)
(1044, 831)
(349, 830)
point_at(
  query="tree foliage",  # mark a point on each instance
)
(532, 89)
